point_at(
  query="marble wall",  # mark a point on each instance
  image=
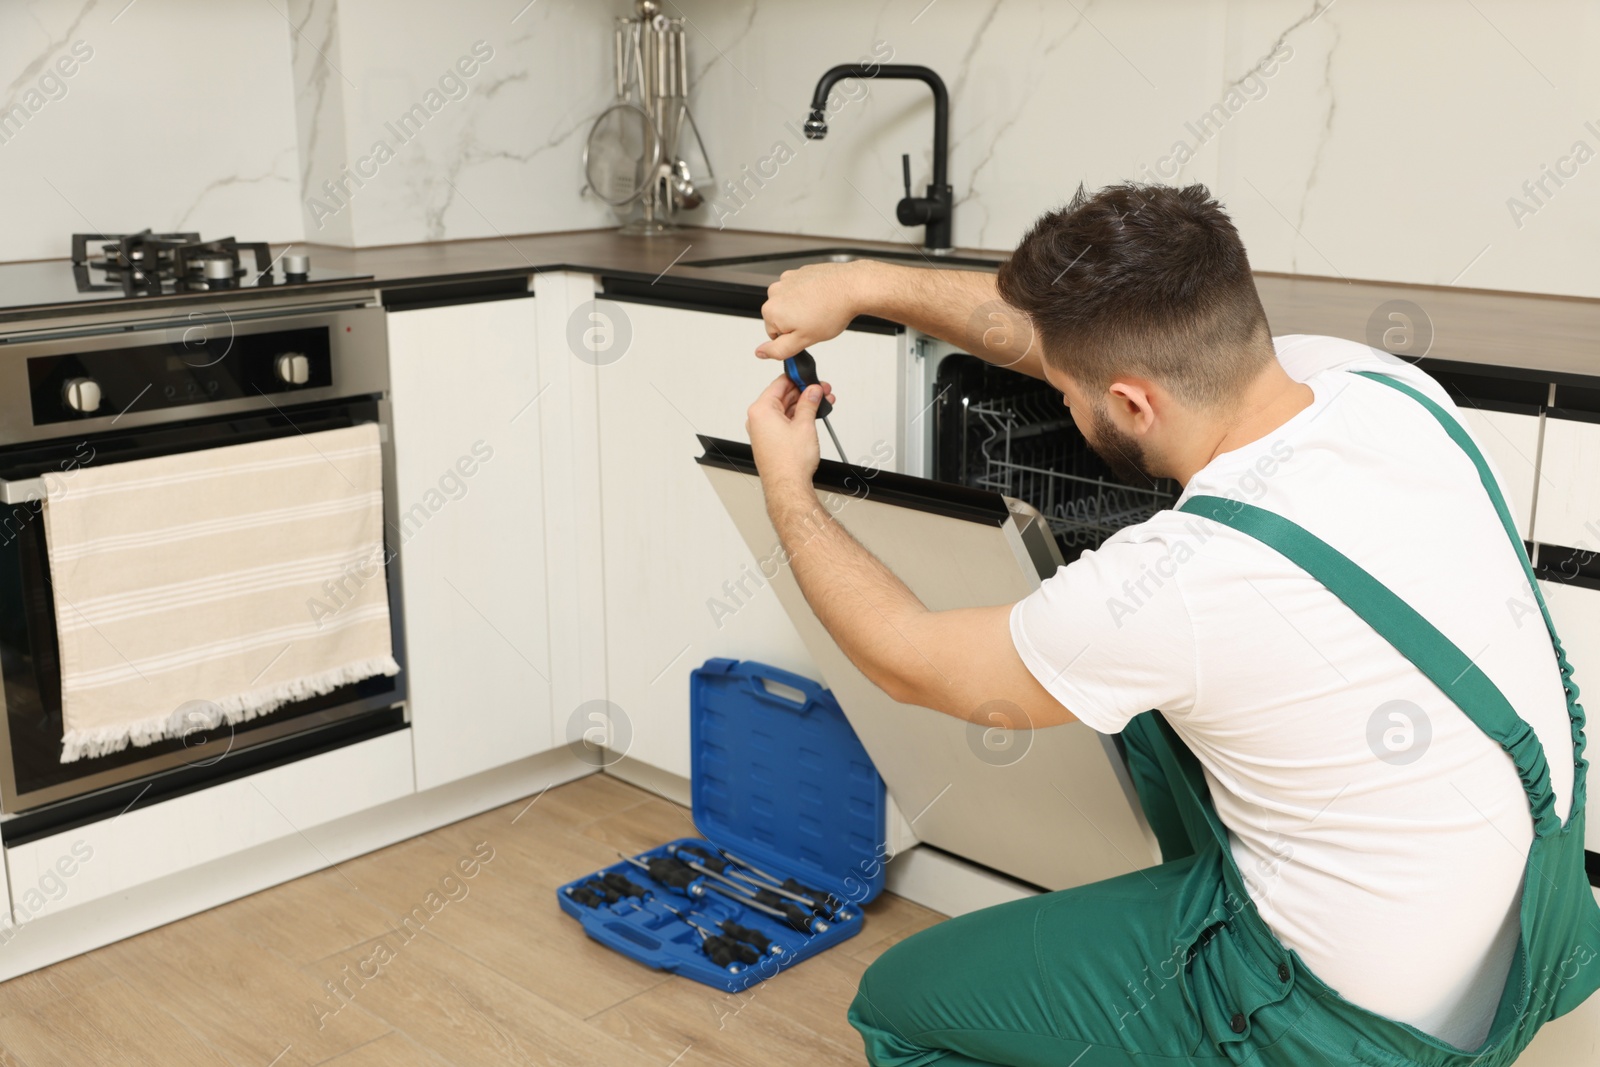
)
(1431, 141)
(283, 99)
(421, 121)
(176, 114)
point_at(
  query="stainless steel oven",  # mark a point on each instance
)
(130, 384)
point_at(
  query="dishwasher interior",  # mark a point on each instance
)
(999, 430)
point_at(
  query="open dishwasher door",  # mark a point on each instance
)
(1051, 807)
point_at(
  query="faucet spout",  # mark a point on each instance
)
(933, 210)
(817, 125)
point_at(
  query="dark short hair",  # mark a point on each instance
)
(1150, 280)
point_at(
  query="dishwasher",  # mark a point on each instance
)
(1013, 492)
(999, 430)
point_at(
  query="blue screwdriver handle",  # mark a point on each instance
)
(802, 371)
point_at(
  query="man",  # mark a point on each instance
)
(1364, 761)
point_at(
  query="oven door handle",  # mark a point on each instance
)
(22, 491)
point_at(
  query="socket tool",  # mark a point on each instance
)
(801, 369)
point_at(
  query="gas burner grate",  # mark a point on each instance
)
(149, 263)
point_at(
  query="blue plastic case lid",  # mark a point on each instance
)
(784, 782)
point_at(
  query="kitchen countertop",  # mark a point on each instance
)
(1545, 336)
(1529, 335)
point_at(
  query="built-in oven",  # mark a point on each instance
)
(100, 389)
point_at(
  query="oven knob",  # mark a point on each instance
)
(293, 368)
(82, 394)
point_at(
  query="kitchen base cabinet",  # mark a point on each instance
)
(1511, 441)
(680, 585)
(1569, 493)
(466, 402)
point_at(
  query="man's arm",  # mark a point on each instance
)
(959, 662)
(817, 302)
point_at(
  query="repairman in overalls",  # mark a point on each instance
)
(1365, 769)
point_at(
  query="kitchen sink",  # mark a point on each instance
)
(778, 262)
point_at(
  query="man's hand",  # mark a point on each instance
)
(960, 662)
(782, 425)
(817, 303)
(811, 305)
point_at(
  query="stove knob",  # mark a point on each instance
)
(293, 368)
(81, 394)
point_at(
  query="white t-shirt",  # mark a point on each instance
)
(1381, 833)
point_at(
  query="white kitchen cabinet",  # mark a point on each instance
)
(1576, 613)
(1511, 442)
(466, 408)
(680, 584)
(1569, 493)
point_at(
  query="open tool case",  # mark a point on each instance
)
(779, 781)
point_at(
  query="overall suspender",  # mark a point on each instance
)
(1413, 636)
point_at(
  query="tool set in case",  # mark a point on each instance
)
(791, 811)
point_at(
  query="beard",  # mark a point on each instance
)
(1120, 451)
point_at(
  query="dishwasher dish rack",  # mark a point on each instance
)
(997, 430)
(1032, 458)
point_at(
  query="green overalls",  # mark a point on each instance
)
(1173, 965)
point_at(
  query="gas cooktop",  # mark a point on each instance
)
(145, 265)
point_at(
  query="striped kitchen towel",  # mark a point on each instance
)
(214, 586)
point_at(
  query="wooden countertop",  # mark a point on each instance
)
(1555, 337)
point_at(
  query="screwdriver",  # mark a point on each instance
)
(670, 873)
(728, 927)
(828, 900)
(761, 941)
(801, 369)
(593, 895)
(600, 889)
(619, 883)
(762, 900)
(585, 896)
(720, 866)
(722, 950)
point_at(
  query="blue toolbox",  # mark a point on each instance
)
(792, 813)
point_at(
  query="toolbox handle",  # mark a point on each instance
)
(619, 936)
(758, 679)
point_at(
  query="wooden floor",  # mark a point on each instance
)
(498, 976)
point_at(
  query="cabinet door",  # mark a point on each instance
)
(1511, 442)
(464, 379)
(680, 585)
(1569, 492)
(1576, 613)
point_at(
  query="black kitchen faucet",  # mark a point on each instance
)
(934, 210)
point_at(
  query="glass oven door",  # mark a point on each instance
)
(31, 771)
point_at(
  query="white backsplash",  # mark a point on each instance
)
(1360, 139)
(1384, 143)
(496, 151)
(182, 118)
